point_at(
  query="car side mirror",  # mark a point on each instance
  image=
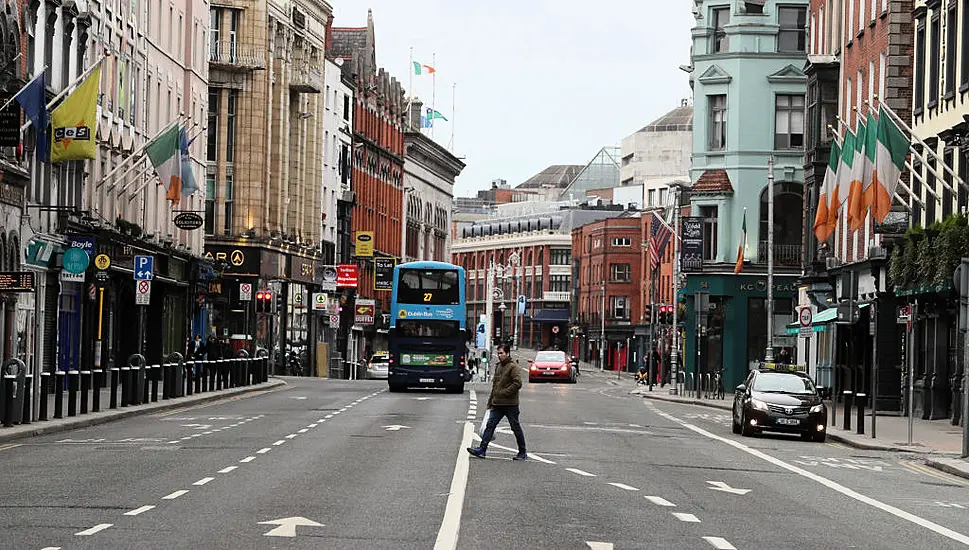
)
(824, 393)
(531, 361)
(741, 389)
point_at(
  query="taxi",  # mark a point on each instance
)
(779, 398)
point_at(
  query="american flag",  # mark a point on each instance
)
(659, 237)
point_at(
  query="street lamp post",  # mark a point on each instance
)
(769, 356)
(602, 330)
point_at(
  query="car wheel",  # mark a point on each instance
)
(819, 437)
(745, 429)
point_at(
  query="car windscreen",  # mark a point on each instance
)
(775, 382)
(550, 356)
(428, 286)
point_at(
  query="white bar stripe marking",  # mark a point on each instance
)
(280, 442)
(228, 469)
(175, 495)
(247, 459)
(291, 436)
(689, 518)
(96, 529)
(580, 472)
(203, 481)
(137, 511)
(623, 486)
(720, 543)
(263, 451)
(660, 501)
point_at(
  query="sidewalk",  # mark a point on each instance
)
(106, 414)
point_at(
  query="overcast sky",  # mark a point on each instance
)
(539, 82)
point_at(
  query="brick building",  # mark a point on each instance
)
(608, 259)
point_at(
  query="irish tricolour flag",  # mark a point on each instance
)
(166, 156)
(821, 227)
(843, 182)
(891, 149)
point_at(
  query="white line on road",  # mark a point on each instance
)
(291, 436)
(689, 518)
(51, 548)
(623, 486)
(599, 545)
(173, 442)
(96, 529)
(312, 425)
(228, 469)
(247, 459)
(580, 472)
(263, 450)
(280, 442)
(660, 501)
(203, 481)
(531, 456)
(720, 543)
(930, 525)
(327, 416)
(320, 421)
(447, 535)
(137, 511)
(175, 495)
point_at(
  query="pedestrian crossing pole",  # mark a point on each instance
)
(961, 281)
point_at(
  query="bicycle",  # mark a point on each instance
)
(719, 382)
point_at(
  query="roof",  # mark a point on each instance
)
(713, 181)
(677, 120)
(345, 41)
(557, 176)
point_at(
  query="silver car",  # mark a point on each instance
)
(377, 366)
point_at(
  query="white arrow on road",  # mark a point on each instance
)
(599, 545)
(287, 526)
(721, 486)
(396, 428)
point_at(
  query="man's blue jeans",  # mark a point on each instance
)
(497, 413)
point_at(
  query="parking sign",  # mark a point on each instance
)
(144, 268)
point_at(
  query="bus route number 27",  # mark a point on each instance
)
(428, 296)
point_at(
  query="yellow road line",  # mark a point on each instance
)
(9, 446)
(221, 401)
(932, 472)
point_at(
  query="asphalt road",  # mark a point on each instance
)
(359, 467)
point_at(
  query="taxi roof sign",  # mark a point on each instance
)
(783, 367)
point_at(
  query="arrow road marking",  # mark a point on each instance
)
(720, 543)
(396, 428)
(287, 526)
(599, 545)
(721, 486)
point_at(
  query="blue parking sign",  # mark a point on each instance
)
(144, 268)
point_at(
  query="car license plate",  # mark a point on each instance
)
(788, 421)
(548, 373)
(427, 380)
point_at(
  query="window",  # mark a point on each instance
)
(720, 18)
(936, 46)
(964, 46)
(718, 122)
(215, 30)
(429, 287)
(662, 196)
(789, 122)
(622, 241)
(964, 174)
(233, 35)
(213, 125)
(558, 283)
(180, 45)
(346, 107)
(946, 189)
(230, 120)
(919, 67)
(791, 37)
(652, 198)
(874, 9)
(881, 75)
(709, 215)
(951, 48)
(210, 204)
(815, 133)
(619, 306)
(871, 82)
(228, 202)
(619, 273)
(560, 256)
(851, 20)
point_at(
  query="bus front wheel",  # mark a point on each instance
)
(396, 388)
(455, 389)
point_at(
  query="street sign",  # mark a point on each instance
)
(319, 301)
(805, 316)
(101, 278)
(75, 260)
(189, 221)
(334, 320)
(521, 305)
(245, 292)
(142, 293)
(102, 261)
(144, 268)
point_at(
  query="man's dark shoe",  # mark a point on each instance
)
(477, 451)
(520, 456)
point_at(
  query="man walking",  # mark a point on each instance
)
(503, 402)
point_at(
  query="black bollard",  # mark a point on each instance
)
(219, 367)
(98, 384)
(847, 409)
(212, 368)
(155, 377)
(860, 400)
(145, 386)
(28, 410)
(166, 381)
(190, 372)
(73, 381)
(85, 389)
(60, 378)
(199, 373)
(125, 386)
(44, 391)
(115, 375)
(9, 381)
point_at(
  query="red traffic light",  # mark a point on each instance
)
(260, 295)
(268, 295)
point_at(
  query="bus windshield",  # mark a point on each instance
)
(433, 287)
(414, 328)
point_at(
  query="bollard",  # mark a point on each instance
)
(125, 386)
(73, 382)
(44, 391)
(860, 400)
(28, 411)
(847, 405)
(85, 389)
(60, 377)
(190, 370)
(155, 377)
(115, 375)
(146, 386)
(98, 385)
(166, 380)
(9, 382)
(219, 367)
(199, 373)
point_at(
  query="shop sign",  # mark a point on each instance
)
(346, 276)
(364, 242)
(188, 221)
(383, 277)
(363, 311)
(691, 254)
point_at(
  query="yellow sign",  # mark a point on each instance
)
(237, 258)
(102, 261)
(74, 122)
(402, 314)
(364, 240)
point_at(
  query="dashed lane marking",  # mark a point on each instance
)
(688, 518)
(175, 495)
(203, 481)
(137, 511)
(263, 450)
(720, 543)
(580, 472)
(623, 486)
(228, 469)
(96, 529)
(291, 436)
(247, 459)
(660, 501)
(280, 442)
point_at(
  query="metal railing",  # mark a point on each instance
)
(231, 53)
(784, 254)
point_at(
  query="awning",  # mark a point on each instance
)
(551, 316)
(825, 316)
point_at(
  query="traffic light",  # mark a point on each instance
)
(666, 314)
(264, 301)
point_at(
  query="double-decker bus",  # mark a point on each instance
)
(428, 335)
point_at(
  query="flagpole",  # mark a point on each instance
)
(137, 156)
(675, 352)
(433, 91)
(139, 190)
(454, 87)
(769, 357)
(410, 88)
(14, 96)
(67, 89)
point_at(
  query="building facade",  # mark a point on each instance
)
(337, 141)
(658, 154)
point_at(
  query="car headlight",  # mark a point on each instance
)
(758, 404)
(817, 408)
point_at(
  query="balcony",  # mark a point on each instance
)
(784, 254)
(555, 296)
(232, 55)
(305, 78)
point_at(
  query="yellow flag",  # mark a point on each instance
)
(74, 122)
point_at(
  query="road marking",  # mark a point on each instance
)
(247, 459)
(447, 535)
(580, 472)
(396, 428)
(689, 518)
(660, 501)
(96, 529)
(320, 421)
(263, 450)
(897, 512)
(720, 543)
(9, 446)
(623, 486)
(599, 545)
(137, 511)
(287, 526)
(531, 456)
(228, 469)
(721, 486)
(931, 472)
(327, 416)
(203, 481)
(291, 436)
(170, 443)
(175, 495)
(312, 425)
(280, 442)
(51, 548)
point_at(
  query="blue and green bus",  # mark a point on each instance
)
(428, 336)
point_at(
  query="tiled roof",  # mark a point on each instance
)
(346, 41)
(677, 120)
(557, 176)
(713, 181)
